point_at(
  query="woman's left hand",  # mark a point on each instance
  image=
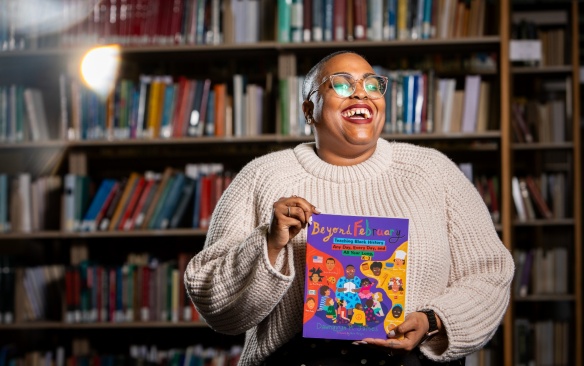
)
(413, 329)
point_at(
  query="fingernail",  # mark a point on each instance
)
(356, 343)
(317, 210)
(310, 220)
(392, 333)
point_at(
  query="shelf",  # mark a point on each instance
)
(543, 146)
(266, 46)
(67, 326)
(101, 234)
(546, 222)
(561, 69)
(546, 297)
(267, 138)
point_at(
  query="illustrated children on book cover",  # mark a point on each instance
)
(355, 280)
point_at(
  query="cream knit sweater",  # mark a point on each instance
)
(457, 264)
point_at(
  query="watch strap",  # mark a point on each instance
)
(433, 324)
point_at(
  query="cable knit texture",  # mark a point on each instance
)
(457, 267)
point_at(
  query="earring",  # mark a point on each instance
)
(309, 120)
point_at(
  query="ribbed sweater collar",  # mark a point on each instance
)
(377, 163)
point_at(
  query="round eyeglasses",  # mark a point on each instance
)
(345, 85)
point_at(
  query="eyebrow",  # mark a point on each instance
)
(348, 73)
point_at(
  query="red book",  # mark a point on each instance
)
(130, 223)
(360, 19)
(339, 20)
(220, 99)
(70, 295)
(132, 204)
(540, 203)
(176, 17)
(77, 294)
(205, 197)
(99, 300)
(112, 295)
(178, 114)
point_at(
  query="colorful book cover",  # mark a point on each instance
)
(355, 280)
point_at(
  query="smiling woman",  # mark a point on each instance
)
(255, 249)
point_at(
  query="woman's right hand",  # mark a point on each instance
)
(289, 216)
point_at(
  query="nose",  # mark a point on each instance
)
(359, 92)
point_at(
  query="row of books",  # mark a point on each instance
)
(160, 107)
(377, 20)
(134, 22)
(546, 120)
(124, 22)
(549, 29)
(173, 198)
(541, 272)
(22, 114)
(138, 355)
(136, 291)
(544, 342)
(542, 197)
(170, 199)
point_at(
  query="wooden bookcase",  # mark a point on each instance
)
(492, 152)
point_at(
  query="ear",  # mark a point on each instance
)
(307, 108)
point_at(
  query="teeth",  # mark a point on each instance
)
(351, 112)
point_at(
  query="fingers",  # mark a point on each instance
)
(295, 208)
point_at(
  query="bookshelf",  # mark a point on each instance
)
(264, 61)
(553, 80)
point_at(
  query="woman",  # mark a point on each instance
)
(459, 272)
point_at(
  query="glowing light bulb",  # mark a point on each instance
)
(99, 69)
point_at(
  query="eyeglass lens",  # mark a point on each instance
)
(345, 85)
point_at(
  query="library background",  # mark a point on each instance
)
(122, 121)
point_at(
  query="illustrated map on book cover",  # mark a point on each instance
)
(355, 281)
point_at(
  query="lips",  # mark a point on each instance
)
(358, 113)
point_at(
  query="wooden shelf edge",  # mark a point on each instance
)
(101, 234)
(546, 298)
(545, 222)
(129, 325)
(259, 46)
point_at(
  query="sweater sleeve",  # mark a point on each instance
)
(474, 303)
(231, 281)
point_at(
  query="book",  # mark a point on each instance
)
(355, 280)
(88, 223)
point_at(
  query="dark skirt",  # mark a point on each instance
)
(320, 352)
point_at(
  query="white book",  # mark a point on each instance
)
(516, 192)
(238, 105)
(470, 107)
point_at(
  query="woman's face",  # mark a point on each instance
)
(346, 129)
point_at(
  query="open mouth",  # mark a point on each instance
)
(357, 113)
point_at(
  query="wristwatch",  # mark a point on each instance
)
(433, 329)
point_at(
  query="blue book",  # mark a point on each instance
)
(171, 202)
(197, 202)
(427, 20)
(183, 203)
(210, 118)
(390, 31)
(167, 111)
(328, 20)
(317, 20)
(154, 222)
(88, 223)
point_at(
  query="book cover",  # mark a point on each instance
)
(355, 280)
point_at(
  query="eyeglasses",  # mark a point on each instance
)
(345, 85)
